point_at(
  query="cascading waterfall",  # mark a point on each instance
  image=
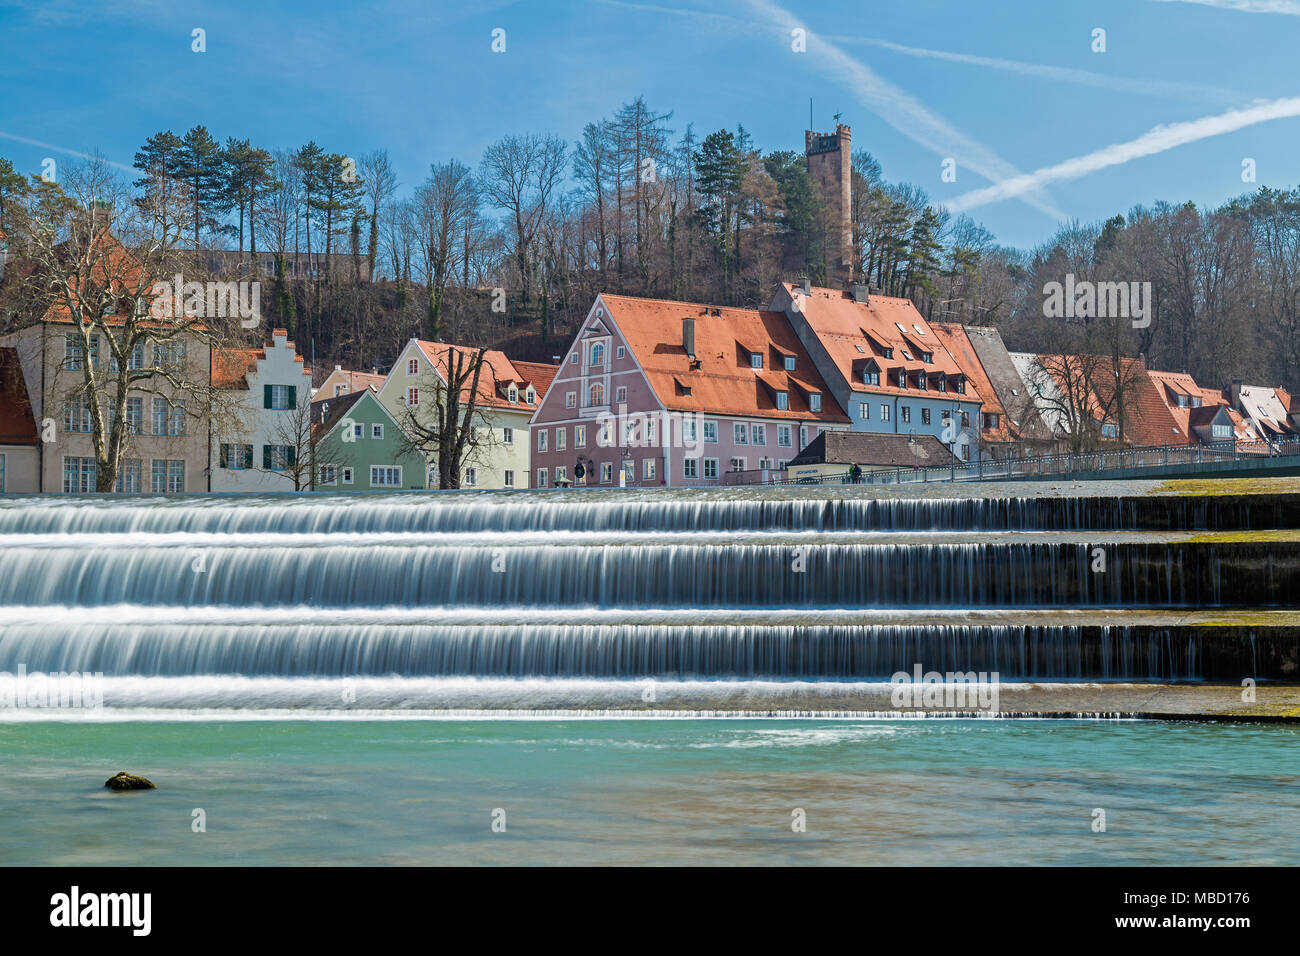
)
(273, 601)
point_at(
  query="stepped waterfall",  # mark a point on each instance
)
(520, 600)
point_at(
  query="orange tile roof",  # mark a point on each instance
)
(953, 337)
(1147, 417)
(539, 375)
(853, 332)
(230, 367)
(724, 383)
(497, 373)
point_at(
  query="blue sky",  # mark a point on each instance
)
(1007, 88)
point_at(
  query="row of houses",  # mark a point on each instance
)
(650, 393)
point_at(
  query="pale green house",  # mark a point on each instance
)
(359, 446)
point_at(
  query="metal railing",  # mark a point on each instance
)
(1068, 463)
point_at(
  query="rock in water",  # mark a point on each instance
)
(128, 781)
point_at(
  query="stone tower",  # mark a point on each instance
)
(830, 164)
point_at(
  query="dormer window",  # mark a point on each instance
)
(943, 382)
(512, 394)
(815, 402)
(921, 381)
(927, 358)
(783, 400)
(789, 363)
(870, 376)
(902, 378)
(530, 396)
(886, 353)
(755, 359)
(961, 386)
(1196, 401)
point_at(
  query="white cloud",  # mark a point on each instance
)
(1291, 7)
(1157, 140)
(1170, 88)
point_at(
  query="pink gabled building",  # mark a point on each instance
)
(678, 394)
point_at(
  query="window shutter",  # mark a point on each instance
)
(266, 396)
(266, 455)
(293, 396)
(225, 456)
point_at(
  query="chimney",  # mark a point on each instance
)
(860, 293)
(806, 284)
(688, 335)
(1235, 394)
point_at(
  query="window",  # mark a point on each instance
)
(711, 432)
(803, 436)
(789, 363)
(579, 436)
(783, 401)
(815, 402)
(907, 413)
(690, 468)
(358, 431)
(530, 396)
(755, 360)
(927, 358)
(235, 457)
(620, 394)
(130, 477)
(1220, 431)
(570, 399)
(740, 433)
(470, 478)
(167, 477)
(74, 352)
(710, 468)
(169, 355)
(925, 416)
(512, 394)
(507, 436)
(884, 413)
(134, 416)
(386, 476)
(376, 431)
(279, 457)
(561, 438)
(965, 419)
(783, 437)
(606, 472)
(887, 353)
(990, 420)
(541, 477)
(758, 434)
(2, 474)
(648, 466)
(509, 477)
(412, 397)
(413, 366)
(690, 430)
(902, 378)
(596, 396)
(961, 386)
(133, 361)
(562, 473)
(573, 358)
(870, 376)
(347, 476)
(1107, 429)
(864, 411)
(943, 382)
(922, 381)
(619, 352)
(944, 415)
(168, 419)
(77, 417)
(279, 397)
(597, 354)
(78, 476)
(541, 439)
(765, 463)
(737, 464)
(328, 475)
(628, 471)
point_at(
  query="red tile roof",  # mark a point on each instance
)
(494, 379)
(1147, 419)
(539, 375)
(722, 381)
(230, 367)
(952, 336)
(854, 333)
(17, 426)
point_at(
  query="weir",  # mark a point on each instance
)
(731, 585)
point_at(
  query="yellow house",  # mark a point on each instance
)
(507, 396)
